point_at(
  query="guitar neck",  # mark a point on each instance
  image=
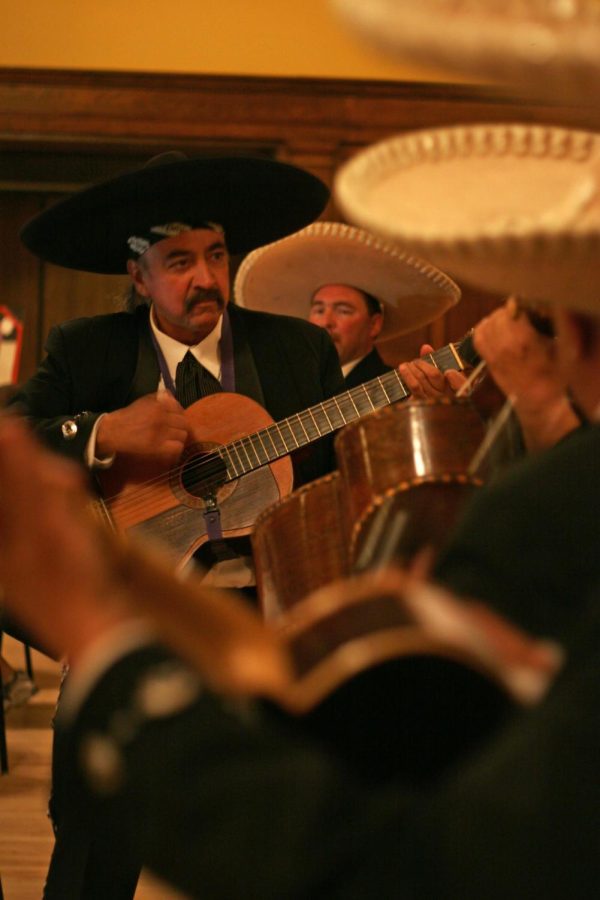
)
(280, 438)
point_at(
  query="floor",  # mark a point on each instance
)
(25, 833)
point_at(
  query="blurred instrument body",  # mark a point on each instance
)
(405, 465)
(300, 544)
(420, 455)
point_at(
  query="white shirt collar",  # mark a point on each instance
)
(207, 351)
(347, 367)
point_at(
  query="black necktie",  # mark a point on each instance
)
(193, 381)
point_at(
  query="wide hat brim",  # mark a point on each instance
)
(510, 208)
(548, 50)
(255, 200)
(283, 276)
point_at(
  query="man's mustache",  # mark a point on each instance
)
(203, 295)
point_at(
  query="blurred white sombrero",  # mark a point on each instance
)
(283, 276)
(549, 48)
(509, 208)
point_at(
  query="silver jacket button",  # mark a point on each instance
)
(69, 429)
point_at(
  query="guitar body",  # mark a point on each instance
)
(237, 448)
(152, 501)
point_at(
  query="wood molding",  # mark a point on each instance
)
(102, 111)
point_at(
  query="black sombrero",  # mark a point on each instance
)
(254, 200)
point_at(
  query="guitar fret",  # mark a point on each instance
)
(261, 451)
(250, 442)
(310, 426)
(262, 444)
(278, 443)
(378, 395)
(335, 407)
(398, 389)
(353, 402)
(367, 397)
(298, 419)
(337, 403)
(322, 409)
(230, 461)
(312, 415)
(280, 427)
(364, 403)
(385, 393)
(245, 465)
(352, 405)
(290, 426)
(291, 423)
(275, 451)
(236, 447)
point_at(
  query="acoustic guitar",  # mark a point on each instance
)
(230, 471)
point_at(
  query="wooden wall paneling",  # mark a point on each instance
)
(107, 107)
(70, 294)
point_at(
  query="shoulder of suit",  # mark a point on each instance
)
(285, 324)
(104, 323)
(560, 470)
(143, 687)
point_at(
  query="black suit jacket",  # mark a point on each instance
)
(529, 543)
(371, 366)
(103, 363)
(231, 806)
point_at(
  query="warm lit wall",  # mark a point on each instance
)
(234, 37)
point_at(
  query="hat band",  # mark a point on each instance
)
(139, 243)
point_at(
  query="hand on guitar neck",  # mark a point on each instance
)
(426, 381)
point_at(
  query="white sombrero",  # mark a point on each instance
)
(509, 208)
(550, 48)
(283, 276)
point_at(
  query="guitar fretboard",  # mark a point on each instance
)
(280, 438)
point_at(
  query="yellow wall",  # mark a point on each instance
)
(234, 37)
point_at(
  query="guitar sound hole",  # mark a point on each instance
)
(203, 473)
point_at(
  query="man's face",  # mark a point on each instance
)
(187, 279)
(343, 311)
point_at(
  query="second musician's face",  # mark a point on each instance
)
(342, 310)
(187, 279)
